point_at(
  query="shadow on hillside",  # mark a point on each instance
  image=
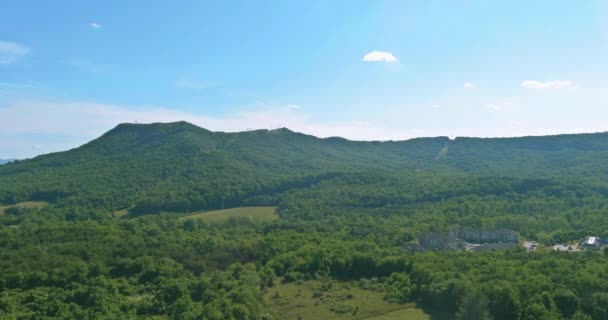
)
(435, 314)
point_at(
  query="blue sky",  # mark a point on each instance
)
(365, 70)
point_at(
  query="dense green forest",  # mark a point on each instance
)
(345, 209)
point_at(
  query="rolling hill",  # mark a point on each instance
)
(129, 226)
(182, 167)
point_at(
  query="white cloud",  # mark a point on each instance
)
(16, 85)
(553, 84)
(11, 51)
(189, 83)
(13, 48)
(498, 106)
(93, 67)
(95, 25)
(293, 107)
(494, 106)
(376, 56)
(469, 85)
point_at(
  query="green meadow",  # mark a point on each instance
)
(265, 214)
(26, 205)
(331, 299)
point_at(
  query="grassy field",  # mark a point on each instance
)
(402, 314)
(266, 214)
(29, 205)
(122, 213)
(342, 300)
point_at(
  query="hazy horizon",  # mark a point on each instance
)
(320, 137)
(386, 70)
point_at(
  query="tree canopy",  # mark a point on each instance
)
(345, 210)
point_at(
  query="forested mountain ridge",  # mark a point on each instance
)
(193, 168)
(344, 210)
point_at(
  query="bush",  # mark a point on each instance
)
(317, 293)
(291, 277)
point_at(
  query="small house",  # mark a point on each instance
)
(591, 243)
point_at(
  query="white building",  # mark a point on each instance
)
(591, 243)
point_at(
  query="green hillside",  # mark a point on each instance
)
(24, 205)
(181, 167)
(129, 226)
(255, 213)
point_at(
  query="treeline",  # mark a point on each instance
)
(190, 168)
(53, 268)
(205, 196)
(144, 287)
(345, 211)
(157, 266)
(502, 285)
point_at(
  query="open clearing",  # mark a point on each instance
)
(266, 214)
(28, 205)
(411, 313)
(343, 300)
(123, 212)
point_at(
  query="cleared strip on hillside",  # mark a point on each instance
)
(266, 214)
(27, 205)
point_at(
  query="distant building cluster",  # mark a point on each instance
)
(588, 243)
(466, 239)
(486, 236)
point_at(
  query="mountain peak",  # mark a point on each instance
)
(155, 125)
(282, 130)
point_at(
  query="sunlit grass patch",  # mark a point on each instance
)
(27, 205)
(266, 214)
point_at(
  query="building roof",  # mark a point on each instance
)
(413, 247)
(592, 241)
(501, 230)
(494, 246)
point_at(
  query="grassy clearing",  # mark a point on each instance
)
(122, 213)
(28, 205)
(405, 313)
(266, 214)
(342, 300)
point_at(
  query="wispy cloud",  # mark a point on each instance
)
(93, 67)
(293, 107)
(189, 83)
(468, 85)
(498, 106)
(552, 84)
(11, 52)
(494, 106)
(379, 56)
(11, 85)
(95, 25)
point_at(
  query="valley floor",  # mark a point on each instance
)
(330, 299)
